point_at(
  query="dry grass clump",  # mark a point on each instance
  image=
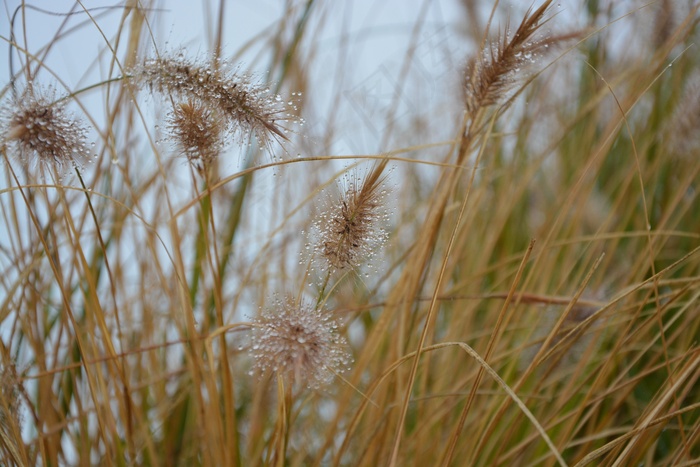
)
(441, 321)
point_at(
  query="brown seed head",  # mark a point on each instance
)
(247, 108)
(38, 127)
(351, 230)
(492, 75)
(197, 131)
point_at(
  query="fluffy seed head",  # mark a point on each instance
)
(351, 229)
(197, 131)
(490, 77)
(36, 126)
(300, 343)
(246, 107)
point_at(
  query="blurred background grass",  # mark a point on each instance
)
(125, 292)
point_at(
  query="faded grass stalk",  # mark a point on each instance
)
(489, 78)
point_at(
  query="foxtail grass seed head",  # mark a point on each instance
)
(300, 343)
(246, 107)
(491, 76)
(351, 228)
(39, 129)
(197, 131)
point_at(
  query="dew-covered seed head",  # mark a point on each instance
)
(197, 132)
(350, 229)
(36, 128)
(245, 107)
(300, 343)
